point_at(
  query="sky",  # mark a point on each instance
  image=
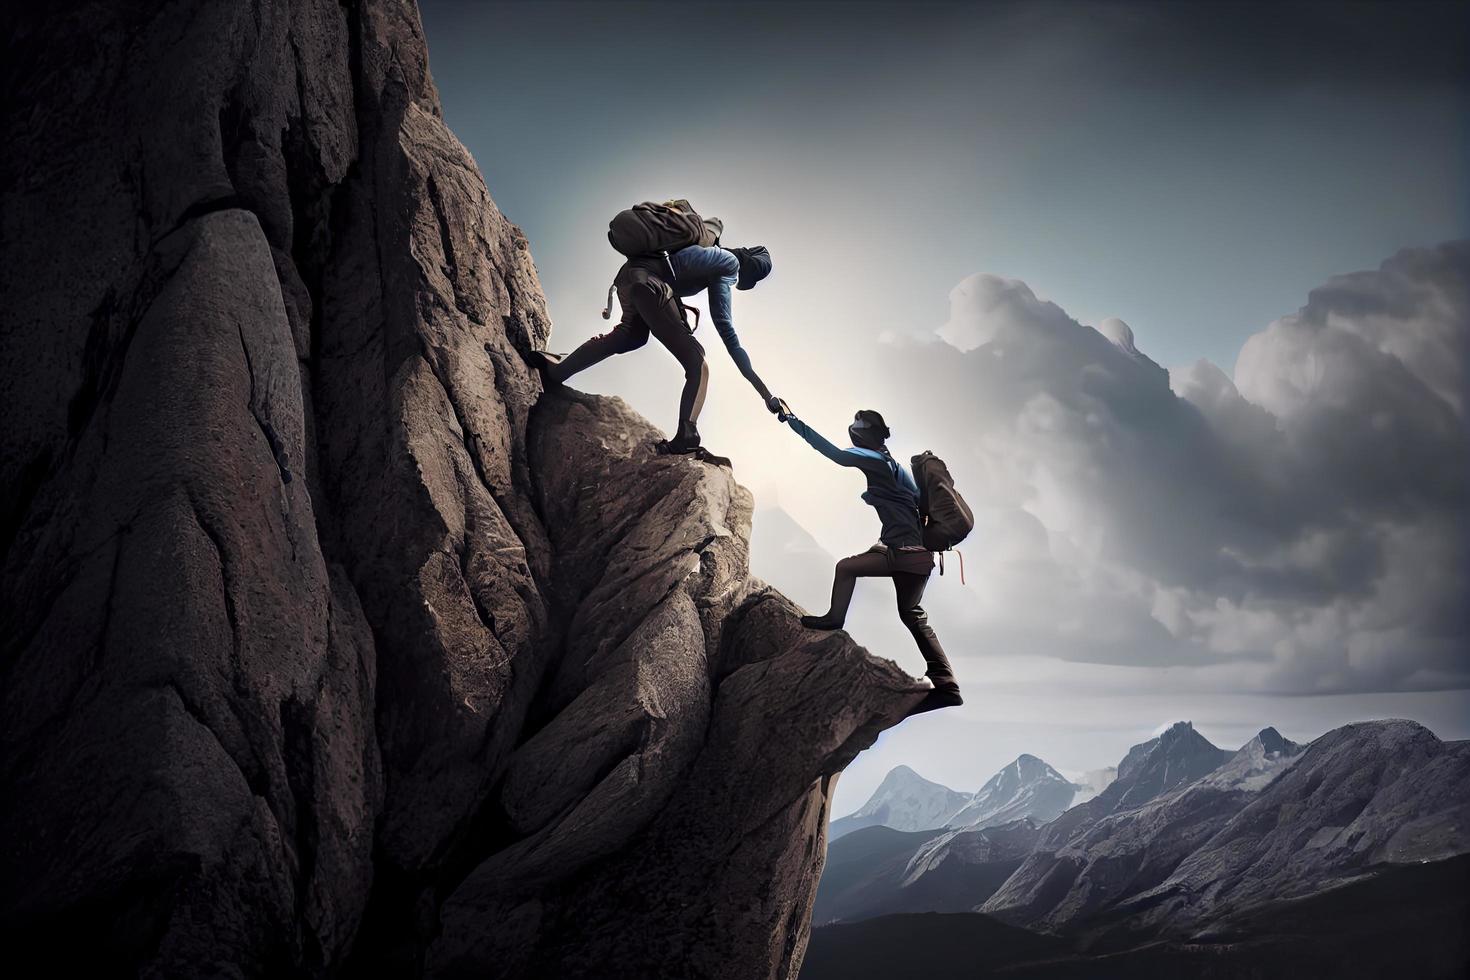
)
(1163, 283)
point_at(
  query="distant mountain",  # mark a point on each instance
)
(986, 837)
(1349, 857)
(1360, 800)
(877, 871)
(1027, 787)
(1176, 758)
(1129, 851)
(903, 801)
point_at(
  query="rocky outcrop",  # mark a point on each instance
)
(904, 801)
(328, 645)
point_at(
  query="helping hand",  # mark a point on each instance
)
(783, 411)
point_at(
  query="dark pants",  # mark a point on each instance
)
(910, 574)
(656, 311)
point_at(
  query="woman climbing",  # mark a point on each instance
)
(900, 553)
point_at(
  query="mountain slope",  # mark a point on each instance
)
(1027, 788)
(904, 801)
(877, 871)
(1170, 761)
(1130, 851)
(1360, 800)
(953, 869)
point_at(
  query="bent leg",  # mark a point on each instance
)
(909, 588)
(626, 336)
(658, 308)
(844, 580)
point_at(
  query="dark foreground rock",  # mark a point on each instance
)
(323, 649)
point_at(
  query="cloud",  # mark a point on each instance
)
(1305, 519)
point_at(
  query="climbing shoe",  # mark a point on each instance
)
(543, 361)
(943, 696)
(679, 445)
(821, 623)
(705, 456)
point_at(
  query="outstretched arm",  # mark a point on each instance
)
(814, 438)
(722, 270)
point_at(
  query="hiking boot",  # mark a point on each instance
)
(945, 695)
(545, 364)
(705, 456)
(685, 441)
(678, 446)
(821, 623)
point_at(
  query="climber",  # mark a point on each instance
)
(650, 304)
(900, 553)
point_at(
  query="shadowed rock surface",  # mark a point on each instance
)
(322, 641)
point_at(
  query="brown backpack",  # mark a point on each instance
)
(650, 230)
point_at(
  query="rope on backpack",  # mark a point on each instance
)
(687, 310)
(962, 565)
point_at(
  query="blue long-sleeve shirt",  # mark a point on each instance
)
(891, 489)
(715, 271)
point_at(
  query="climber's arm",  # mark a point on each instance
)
(719, 270)
(814, 438)
(718, 292)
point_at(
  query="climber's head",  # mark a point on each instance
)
(868, 430)
(755, 265)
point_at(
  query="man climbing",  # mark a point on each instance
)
(649, 287)
(900, 554)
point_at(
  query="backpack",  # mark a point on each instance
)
(655, 230)
(650, 229)
(945, 518)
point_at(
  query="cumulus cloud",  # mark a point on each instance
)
(1305, 518)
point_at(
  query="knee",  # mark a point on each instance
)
(848, 566)
(913, 615)
(624, 341)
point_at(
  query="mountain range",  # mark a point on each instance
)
(1272, 860)
(1027, 788)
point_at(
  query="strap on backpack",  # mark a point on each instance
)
(607, 310)
(962, 563)
(691, 309)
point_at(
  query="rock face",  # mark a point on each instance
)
(904, 801)
(1026, 789)
(323, 647)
